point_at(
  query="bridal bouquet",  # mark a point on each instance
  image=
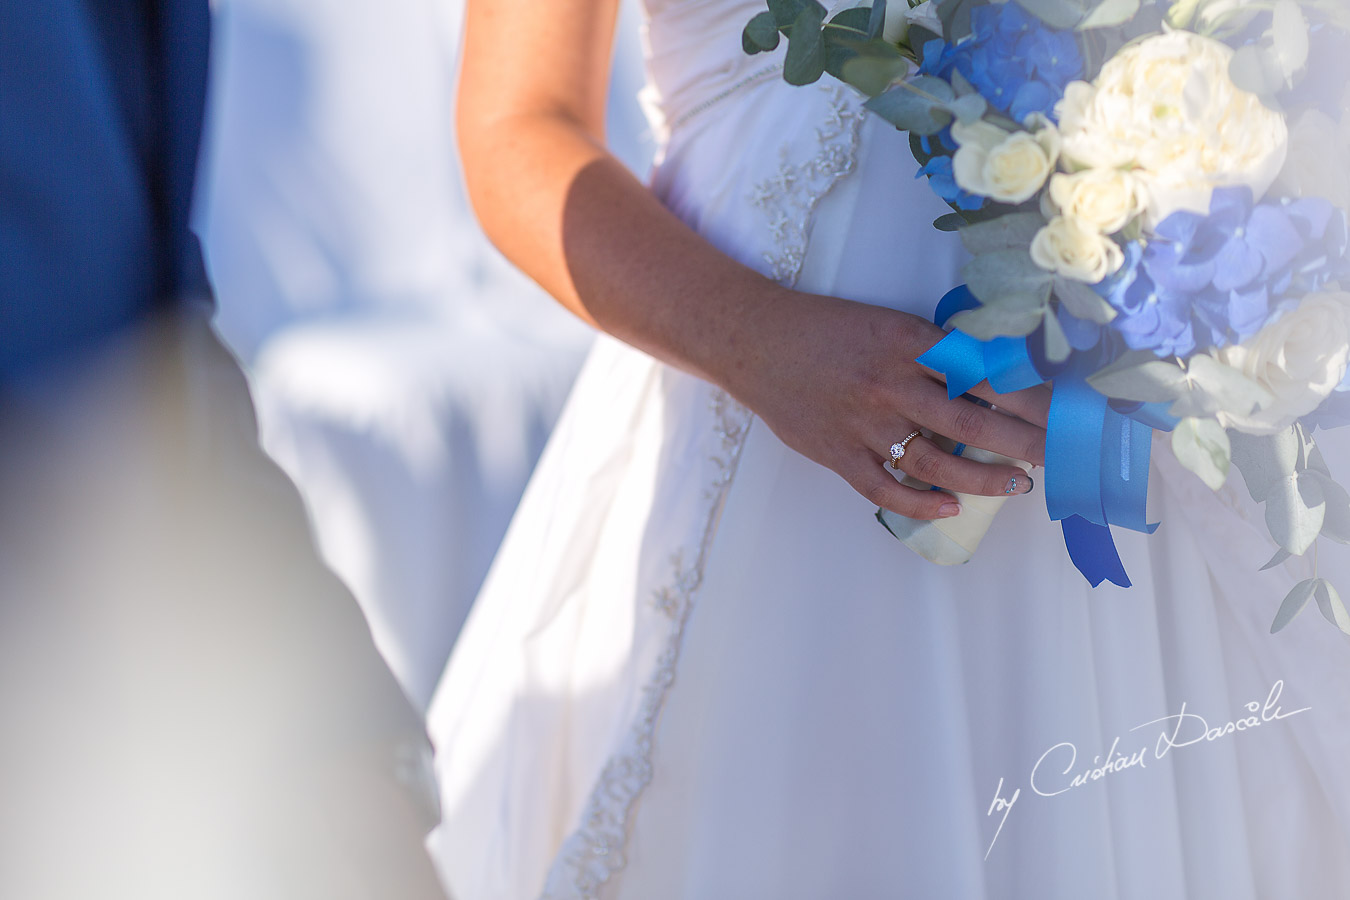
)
(1155, 195)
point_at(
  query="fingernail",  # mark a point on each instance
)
(1020, 484)
(947, 510)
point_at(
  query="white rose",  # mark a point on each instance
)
(1105, 199)
(1167, 108)
(1319, 159)
(1008, 168)
(1066, 247)
(1300, 358)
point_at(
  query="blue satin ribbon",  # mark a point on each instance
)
(1096, 452)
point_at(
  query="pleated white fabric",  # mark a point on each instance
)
(701, 669)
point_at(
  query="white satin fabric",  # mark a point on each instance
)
(701, 669)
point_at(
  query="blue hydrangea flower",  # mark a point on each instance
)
(943, 182)
(1016, 63)
(1210, 280)
(1148, 317)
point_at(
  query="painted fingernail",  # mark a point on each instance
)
(947, 510)
(1020, 484)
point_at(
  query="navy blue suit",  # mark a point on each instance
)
(190, 703)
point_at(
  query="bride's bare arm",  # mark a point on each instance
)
(835, 379)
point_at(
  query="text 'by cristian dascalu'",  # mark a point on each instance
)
(1059, 770)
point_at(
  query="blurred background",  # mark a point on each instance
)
(405, 376)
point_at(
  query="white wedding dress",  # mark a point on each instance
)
(700, 669)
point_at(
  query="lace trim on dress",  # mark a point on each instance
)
(789, 198)
(597, 849)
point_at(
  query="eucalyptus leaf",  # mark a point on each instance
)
(874, 69)
(1149, 380)
(855, 18)
(1278, 559)
(950, 222)
(918, 106)
(1056, 342)
(968, 109)
(1008, 278)
(1231, 389)
(1294, 513)
(1110, 13)
(760, 34)
(988, 322)
(1256, 70)
(1293, 604)
(1265, 460)
(1058, 14)
(1202, 446)
(1329, 601)
(1008, 232)
(805, 60)
(785, 12)
(876, 18)
(955, 17)
(1083, 302)
(1289, 36)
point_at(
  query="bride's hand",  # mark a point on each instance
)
(838, 382)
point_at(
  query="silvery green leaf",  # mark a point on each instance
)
(1264, 460)
(950, 222)
(760, 34)
(1294, 513)
(1336, 524)
(874, 69)
(1057, 347)
(1289, 33)
(1110, 13)
(855, 18)
(1256, 70)
(1231, 389)
(1058, 14)
(988, 322)
(961, 84)
(970, 108)
(1143, 380)
(1008, 278)
(785, 12)
(805, 60)
(918, 105)
(1083, 302)
(877, 18)
(1202, 446)
(1013, 231)
(1329, 601)
(1293, 604)
(955, 17)
(1278, 559)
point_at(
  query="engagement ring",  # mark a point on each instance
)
(898, 449)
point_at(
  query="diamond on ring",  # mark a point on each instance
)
(898, 449)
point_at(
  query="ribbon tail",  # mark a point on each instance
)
(1093, 552)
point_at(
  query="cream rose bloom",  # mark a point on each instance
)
(1104, 199)
(1069, 248)
(1167, 109)
(1007, 168)
(1300, 358)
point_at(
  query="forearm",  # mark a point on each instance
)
(578, 222)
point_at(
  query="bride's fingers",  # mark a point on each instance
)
(928, 462)
(1031, 405)
(870, 478)
(978, 426)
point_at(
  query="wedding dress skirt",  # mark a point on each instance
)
(701, 669)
